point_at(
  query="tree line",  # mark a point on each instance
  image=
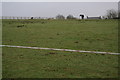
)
(110, 14)
(59, 16)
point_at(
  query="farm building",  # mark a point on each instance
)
(94, 17)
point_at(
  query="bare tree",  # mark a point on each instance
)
(111, 14)
(60, 16)
(70, 17)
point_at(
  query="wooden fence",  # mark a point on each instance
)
(15, 17)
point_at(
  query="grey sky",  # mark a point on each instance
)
(51, 9)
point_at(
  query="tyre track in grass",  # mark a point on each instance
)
(55, 49)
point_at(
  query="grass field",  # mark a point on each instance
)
(93, 35)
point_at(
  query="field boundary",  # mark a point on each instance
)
(70, 50)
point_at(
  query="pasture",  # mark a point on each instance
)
(92, 35)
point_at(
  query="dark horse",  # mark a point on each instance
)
(82, 16)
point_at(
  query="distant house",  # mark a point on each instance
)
(94, 17)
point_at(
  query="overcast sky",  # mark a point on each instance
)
(51, 9)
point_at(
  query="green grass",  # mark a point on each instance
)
(94, 35)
